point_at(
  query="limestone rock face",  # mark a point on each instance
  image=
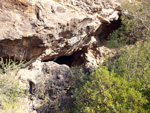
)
(47, 29)
(47, 84)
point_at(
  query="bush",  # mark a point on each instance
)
(134, 61)
(10, 91)
(123, 85)
(105, 91)
(135, 24)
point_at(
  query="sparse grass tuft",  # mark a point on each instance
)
(10, 91)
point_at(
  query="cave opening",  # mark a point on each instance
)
(106, 29)
(61, 60)
(75, 59)
(78, 57)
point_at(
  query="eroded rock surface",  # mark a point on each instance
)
(47, 84)
(46, 29)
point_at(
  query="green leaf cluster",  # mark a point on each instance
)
(105, 91)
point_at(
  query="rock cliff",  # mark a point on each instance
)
(49, 29)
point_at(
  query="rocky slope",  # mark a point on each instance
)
(69, 32)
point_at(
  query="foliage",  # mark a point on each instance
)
(79, 76)
(134, 61)
(10, 91)
(105, 91)
(135, 24)
(123, 85)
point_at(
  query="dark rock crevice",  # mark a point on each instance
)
(76, 59)
(105, 29)
(31, 87)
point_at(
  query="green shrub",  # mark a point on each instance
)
(124, 86)
(105, 91)
(135, 25)
(79, 77)
(134, 61)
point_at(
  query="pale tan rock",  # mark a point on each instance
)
(96, 57)
(47, 29)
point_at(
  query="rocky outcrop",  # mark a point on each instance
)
(47, 29)
(97, 52)
(47, 84)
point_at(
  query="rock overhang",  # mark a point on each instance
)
(62, 28)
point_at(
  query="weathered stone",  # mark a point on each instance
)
(47, 83)
(95, 53)
(47, 29)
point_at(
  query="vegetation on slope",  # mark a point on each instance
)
(135, 25)
(121, 85)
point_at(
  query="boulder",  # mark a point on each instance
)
(47, 84)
